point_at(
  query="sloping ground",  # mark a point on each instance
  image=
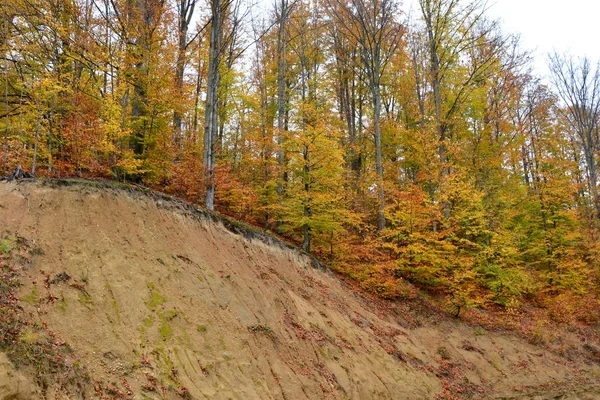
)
(137, 296)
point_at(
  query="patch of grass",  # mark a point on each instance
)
(170, 314)
(109, 318)
(166, 365)
(479, 331)
(29, 335)
(62, 303)
(443, 353)
(189, 360)
(142, 338)
(186, 336)
(86, 299)
(7, 245)
(323, 352)
(148, 321)
(32, 297)
(260, 328)
(494, 361)
(113, 302)
(176, 351)
(116, 309)
(156, 299)
(201, 328)
(166, 331)
(540, 334)
(60, 278)
(185, 317)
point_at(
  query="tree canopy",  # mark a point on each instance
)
(420, 150)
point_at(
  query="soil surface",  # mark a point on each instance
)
(158, 300)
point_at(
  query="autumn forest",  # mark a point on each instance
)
(415, 153)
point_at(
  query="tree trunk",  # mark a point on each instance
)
(306, 231)
(378, 154)
(210, 114)
(199, 79)
(281, 92)
(593, 177)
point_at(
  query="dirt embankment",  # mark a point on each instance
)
(155, 300)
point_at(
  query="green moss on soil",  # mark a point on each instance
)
(156, 299)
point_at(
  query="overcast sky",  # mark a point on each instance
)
(544, 25)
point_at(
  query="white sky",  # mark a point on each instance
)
(546, 25)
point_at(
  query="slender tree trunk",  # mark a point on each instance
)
(281, 92)
(7, 127)
(593, 178)
(199, 80)
(212, 102)
(378, 154)
(35, 146)
(179, 70)
(306, 231)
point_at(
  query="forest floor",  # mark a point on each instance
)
(113, 292)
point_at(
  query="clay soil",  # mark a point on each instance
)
(157, 300)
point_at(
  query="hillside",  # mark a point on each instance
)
(127, 294)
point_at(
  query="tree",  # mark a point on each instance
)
(578, 85)
(283, 11)
(211, 123)
(455, 34)
(349, 81)
(184, 17)
(372, 26)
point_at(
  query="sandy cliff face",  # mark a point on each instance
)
(156, 301)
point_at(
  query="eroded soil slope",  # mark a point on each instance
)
(154, 300)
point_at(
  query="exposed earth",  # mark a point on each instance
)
(123, 293)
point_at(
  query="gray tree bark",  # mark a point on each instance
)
(211, 124)
(283, 13)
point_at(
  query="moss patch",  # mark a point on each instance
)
(169, 315)
(7, 245)
(86, 299)
(62, 303)
(148, 321)
(156, 299)
(116, 309)
(32, 297)
(166, 331)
